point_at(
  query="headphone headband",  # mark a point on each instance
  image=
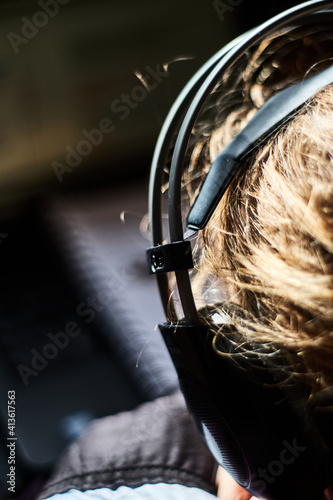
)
(275, 113)
(218, 390)
(181, 120)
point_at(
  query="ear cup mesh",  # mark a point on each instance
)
(226, 445)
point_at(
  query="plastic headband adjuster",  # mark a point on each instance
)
(171, 257)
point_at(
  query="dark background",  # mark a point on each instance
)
(64, 78)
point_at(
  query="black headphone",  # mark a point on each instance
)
(250, 414)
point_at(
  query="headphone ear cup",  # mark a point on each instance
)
(246, 417)
(215, 429)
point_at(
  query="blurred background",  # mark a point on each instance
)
(61, 72)
(84, 89)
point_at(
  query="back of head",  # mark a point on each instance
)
(261, 288)
(269, 244)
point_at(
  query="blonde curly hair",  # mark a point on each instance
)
(269, 244)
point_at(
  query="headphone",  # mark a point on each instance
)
(251, 414)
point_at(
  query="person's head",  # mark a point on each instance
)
(263, 263)
(268, 247)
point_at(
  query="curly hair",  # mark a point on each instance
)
(269, 244)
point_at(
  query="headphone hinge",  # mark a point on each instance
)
(170, 257)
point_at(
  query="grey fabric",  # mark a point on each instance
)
(106, 261)
(157, 442)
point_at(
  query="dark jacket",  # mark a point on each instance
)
(157, 442)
